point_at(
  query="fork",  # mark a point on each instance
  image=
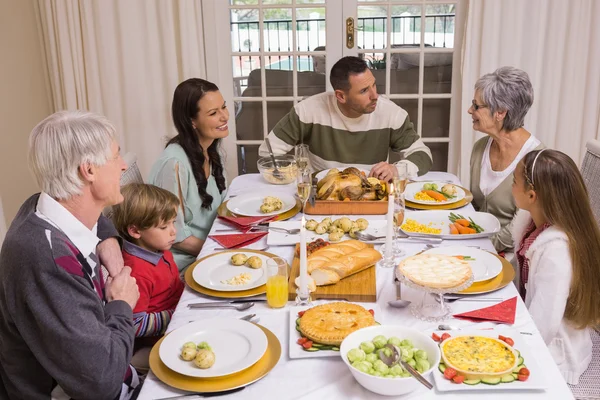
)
(293, 231)
(244, 248)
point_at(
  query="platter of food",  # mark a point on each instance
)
(213, 348)
(231, 271)
(433, 193)
(485, 360)
(326, 325)
(446, 224)
(259, 205)
(485, 266)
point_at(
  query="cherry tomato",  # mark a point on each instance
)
(302, 340)
(307, 344)
(445, 336)
(458, 379)
(509, 341)
(503, 338)
(449, 373)
(524, 371)
(301, 313)
(372, 312)
(522, 378)
(435, 337)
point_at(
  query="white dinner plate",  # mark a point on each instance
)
(248, 204)
(211, 272)
(274, 238)
(321, 174)
(296, 350)
(536, 381)
(485, 266)
(237, 345)
(439, 219)
(414, 187)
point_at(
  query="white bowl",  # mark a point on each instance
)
(390, 386)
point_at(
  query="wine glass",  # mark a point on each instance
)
(399, 209)
(303, 186)
(301, 156)
(401, 180)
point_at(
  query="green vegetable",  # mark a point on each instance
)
(407, 353)
(356, 355)
(422, 365)
(395, 341)
(204, 345)
(362, 366)
(472, 381)
(310, 349)
(412, 363)
(442, 367)
(379, 341)
(367, 347)
(406, 343)
(376, 373)
(420, 355)
(372, 357)
(507, 378)
(396, 370)
(191, 345)
(491, 381)
(381, 367)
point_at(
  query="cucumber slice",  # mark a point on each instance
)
(517, 369)
(335, 348)
(298, 329)
(472, 381)
(514, 374)
(507, 378)
(297, 321)
(491, 381)
(518, 352)
(442, 367)
(311, 349)
(319, 345)
(521, 360)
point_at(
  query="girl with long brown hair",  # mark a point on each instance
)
(557, 245)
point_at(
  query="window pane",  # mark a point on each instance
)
(277, 110)
(411, 106)
(243, 2)
(371, 23)
(406, 26)
(246, 76)
(376, 63)
(278, 73)
(311, 75)
(244, 30)
(247, 158)
(439, 25)
(438, 73)
(436, 118)
(310, 29)
(277, 1)
(439, 152)
(278, 29)
(249, 120)
(309, 1)
(404, 77)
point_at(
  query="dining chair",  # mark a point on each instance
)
(590, 170)
(589, 381)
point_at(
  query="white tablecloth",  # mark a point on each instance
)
(329, 378)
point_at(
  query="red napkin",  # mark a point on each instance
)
(502, 312)
(237, 240)
(244, 224)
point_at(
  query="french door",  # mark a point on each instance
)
(267, 55)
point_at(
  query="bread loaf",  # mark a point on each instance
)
(347, 258)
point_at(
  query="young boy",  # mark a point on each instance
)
(145, 219)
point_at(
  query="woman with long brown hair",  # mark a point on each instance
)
(191, 165)
(557, 244)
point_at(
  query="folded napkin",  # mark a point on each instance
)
(501, 312)
(244, 224)
(237, 240)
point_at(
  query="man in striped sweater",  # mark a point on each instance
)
(351, 125)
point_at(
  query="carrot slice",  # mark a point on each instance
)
(437, 196)
(453, 230)
(463, 222)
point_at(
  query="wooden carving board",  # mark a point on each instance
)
(361, 286)
(330, 207)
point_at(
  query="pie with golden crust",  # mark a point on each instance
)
(330, 323)
(436, 270)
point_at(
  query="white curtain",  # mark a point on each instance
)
(2, 223)
(557, 43)
(123, 59)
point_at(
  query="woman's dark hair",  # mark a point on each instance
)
(184, 109)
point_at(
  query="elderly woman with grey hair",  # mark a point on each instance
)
(65, 332)
(501, 101)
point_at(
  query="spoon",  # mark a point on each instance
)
(239, 307)
(398, 303)
(276, 172)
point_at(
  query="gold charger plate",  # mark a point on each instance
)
(243, 378)
(189, 279)
(498, 282)
(223, 211)
(468, 198)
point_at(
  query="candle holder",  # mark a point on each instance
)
(303, 298)
(387, 262)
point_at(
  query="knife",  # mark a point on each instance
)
(192, 305)
(416, 374)
(313, 192)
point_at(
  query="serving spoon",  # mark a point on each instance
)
(398, 303)
(276, 172)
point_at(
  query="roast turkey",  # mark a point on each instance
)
(350, 184)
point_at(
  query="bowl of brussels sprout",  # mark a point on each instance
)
(372, 355)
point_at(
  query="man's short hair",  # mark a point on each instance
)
(341, 71)
(144, 206)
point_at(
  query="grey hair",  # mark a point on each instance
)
(61, 143)
(507, 89)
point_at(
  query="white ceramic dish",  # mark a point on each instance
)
(415, 187)
(237, 345)
(439, 219)
(296, 351)
(391, 386)
(376, 228)
(248, 204)
(212, 271)
(536, 380)
(485, 266)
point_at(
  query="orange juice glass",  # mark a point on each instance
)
(277, 282)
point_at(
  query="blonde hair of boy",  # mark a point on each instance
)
(144, 206)
(565, 204)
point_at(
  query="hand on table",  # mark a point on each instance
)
(384, 171)
(123, 287)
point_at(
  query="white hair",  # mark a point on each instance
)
(507, 89)
(61, 143)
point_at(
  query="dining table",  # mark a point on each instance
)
(330, 378)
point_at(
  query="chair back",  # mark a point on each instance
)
(131, 175)
(590, 170)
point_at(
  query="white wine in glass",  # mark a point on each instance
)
(302, 163)
(398, 218)
(304, 191)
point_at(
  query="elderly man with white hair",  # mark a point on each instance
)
(64, 332)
